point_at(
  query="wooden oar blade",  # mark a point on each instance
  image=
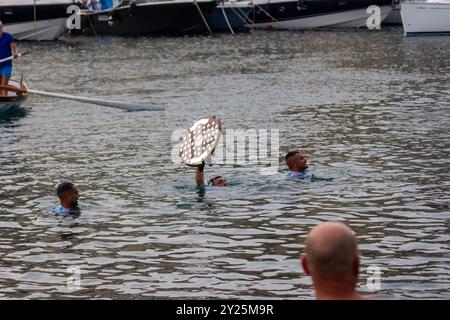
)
(102, 102)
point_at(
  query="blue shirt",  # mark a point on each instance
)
(306, 175)
(61, 211)
(5, 49)
(301, 175)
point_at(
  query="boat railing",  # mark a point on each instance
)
(19, 91)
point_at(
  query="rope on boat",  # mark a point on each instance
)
(226, 19)
(252, 27)
(92, 26)
(203, 17)
(275, 20)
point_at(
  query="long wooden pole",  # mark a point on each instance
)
(129, 106)
(102, 102)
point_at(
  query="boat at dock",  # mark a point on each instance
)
(134, 18)
(42, 20)
(13, 95)
(425, 17)
(313, 14)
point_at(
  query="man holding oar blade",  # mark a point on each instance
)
(8, 48)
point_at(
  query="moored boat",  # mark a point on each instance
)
(34, 19)
(312, 14)
(425, 17)
(133, 18)
(13, 95)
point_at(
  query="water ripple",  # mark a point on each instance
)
(376, 121)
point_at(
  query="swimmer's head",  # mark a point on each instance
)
(218, 181)
(68, 194)
(296, 161)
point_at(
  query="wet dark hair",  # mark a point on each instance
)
(63, 187)
(211, 181)
(291, 154)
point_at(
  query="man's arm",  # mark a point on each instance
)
(199, 176)
(14, 50)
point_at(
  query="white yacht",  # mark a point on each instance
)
(34, 19)
(425, 16)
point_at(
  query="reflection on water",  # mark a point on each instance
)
(9, 116)
(368, 109)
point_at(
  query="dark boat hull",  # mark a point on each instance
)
(394, 18)
(311, 14)
(236, 17)
(168, 17)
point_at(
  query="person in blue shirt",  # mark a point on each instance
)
(68, 195)
(297, 164)
(8, 48)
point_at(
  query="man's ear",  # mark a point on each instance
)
(304, 264)
(356, 266)
(288, 161)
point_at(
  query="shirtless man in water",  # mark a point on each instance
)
(296, 163)
(68, 195)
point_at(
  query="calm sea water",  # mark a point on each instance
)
(369, 109)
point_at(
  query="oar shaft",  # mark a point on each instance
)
(6, 59)
(107, 103)
(12, 57)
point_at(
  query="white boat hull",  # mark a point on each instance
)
(425, 17)
(347, 19)
(41, 30)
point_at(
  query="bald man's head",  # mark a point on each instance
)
(332, 252)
